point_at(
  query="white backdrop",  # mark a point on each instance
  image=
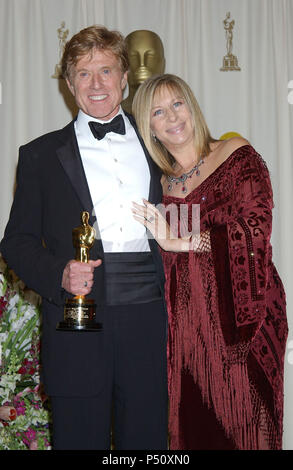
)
(256, 102)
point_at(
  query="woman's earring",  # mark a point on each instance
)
(154, 137)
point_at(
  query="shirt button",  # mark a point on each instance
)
(120, 229)
(115, 160)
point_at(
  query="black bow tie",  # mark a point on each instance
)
(99, 130)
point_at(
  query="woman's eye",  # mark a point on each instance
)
(157, 112)
(177, 104)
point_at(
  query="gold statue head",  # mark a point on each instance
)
(83, 238)
(146, 58)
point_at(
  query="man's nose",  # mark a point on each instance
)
(96, 80)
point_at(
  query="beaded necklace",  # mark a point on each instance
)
(182, 179)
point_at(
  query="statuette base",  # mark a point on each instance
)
(230, 62)
(67, 326)
(79, 315)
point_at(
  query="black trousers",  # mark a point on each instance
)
(134, 397)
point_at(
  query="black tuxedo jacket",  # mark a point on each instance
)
(51, 193)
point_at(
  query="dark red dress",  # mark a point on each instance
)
(227, 316)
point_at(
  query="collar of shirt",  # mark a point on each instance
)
(83, 129)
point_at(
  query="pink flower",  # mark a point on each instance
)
(7, 413)
(27, 368)
(29, 436)
(3, 303)
(33, 445)
(20, 407)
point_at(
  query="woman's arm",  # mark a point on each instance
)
(150, 216)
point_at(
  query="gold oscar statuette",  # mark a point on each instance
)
(79, 312)
(230, 61)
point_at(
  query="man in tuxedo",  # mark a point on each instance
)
(99, 164)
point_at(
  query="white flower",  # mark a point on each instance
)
(3, 337)
(19, 323)
(7, 386)
(13, 301)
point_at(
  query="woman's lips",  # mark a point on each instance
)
(177, 129)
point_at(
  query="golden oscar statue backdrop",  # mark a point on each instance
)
(146, 57)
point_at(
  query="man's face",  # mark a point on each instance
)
(97, 83)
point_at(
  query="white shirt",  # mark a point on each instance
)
(117, 173)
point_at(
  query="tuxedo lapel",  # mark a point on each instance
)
(70, 159)
(155, 191)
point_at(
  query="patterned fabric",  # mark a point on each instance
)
(227, 307)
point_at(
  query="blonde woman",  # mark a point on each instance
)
(226, 303)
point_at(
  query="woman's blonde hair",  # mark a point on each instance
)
(87, 41)
(141, 108)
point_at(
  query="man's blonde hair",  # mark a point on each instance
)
(90, 39)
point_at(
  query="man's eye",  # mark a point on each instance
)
(83, 74)
(106, 71)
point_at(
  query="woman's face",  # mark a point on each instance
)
(171, 121)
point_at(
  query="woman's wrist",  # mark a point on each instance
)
(184, 244)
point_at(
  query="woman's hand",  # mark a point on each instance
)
(149, 216)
